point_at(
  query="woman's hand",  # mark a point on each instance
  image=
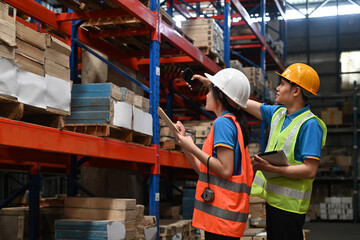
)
(186, 142)
(180, 127)
(205, 81)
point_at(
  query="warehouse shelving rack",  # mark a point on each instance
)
(355, 131)
(27, 146)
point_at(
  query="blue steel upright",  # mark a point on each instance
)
(262, 65)
(34, 203)
(154, 193)
(227, 25)
(355, 151)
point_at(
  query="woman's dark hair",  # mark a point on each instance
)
(239, 114)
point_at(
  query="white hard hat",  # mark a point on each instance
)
(233, 83)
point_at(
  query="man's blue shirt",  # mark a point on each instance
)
(308, 142)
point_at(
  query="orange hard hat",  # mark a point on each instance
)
(302, 75)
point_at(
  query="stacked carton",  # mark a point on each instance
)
(182, 229)
(7, 32)
(205, 33)
(254, 148)
(336, 208)
(23, 63)
(145, 225)
(255, 76)
(142, 103)
(57, 58)
(30, 51)
(14, 222)
(106, 103)
(236, 64)
(201, 128)
(332, 116)
(257, 212)
(83, 215)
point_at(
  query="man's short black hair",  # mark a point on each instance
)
(305, 98)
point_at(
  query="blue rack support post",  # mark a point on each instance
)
(262, 64)
(227, 25)
(169, 98)
(74, 61)
(154, 193)
(355, 149)
(71, 189)
(34, 202)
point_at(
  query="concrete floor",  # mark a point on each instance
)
(333, 230)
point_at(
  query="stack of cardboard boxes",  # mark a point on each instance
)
(332, 116)
(205, 33)
(255, 76)
(337, 208)
(24, 76)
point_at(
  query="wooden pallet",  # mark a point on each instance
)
(110, 131)
(141, 138)
(101, 130)
(12, 109)
(213, 56)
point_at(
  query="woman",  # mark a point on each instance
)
(224, 166)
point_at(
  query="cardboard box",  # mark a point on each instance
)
(101, 203)
(30, 36)
(29, 51)
(7, 24)
(8, 33)
(29, 65)
(84, 229)
(57, 45)
(57, 57)
(99, 214)
(6, 51)
(54, 69)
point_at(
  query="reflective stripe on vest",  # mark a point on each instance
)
(220, 213)
(273, 125)
(282, 190)
(226, 184)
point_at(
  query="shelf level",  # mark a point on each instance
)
(19, 141)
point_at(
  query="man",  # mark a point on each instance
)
(301, 135)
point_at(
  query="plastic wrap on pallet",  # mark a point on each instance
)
(142, 121)
(32, 89)
(58, 93)
(122, 114)
(8, 79)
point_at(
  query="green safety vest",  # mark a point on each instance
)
(288, 194)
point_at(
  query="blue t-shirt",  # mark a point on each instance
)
(309, 139)
(225, 135)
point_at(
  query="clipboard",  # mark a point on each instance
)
(276, 158)
(167, 120)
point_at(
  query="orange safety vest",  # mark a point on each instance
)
(228, 212)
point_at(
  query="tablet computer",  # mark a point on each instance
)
(277, 158)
